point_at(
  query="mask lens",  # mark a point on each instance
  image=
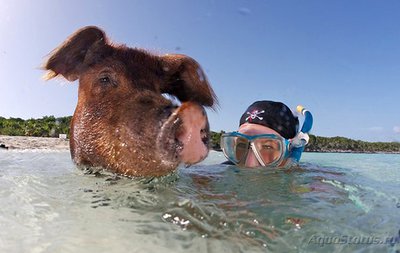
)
(270, 150)
(241, 148)
(235, 148)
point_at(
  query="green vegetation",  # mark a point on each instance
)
(215, 140)
(333, 144)
(49, 126)
(341, 144)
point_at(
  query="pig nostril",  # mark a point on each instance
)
(204, 137)
(203, 132)
(205, 140)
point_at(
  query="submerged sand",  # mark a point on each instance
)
(25, 142)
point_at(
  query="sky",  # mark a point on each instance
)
(340, 59)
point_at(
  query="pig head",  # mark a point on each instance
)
(122, 121)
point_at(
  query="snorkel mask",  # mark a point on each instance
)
(269, 149)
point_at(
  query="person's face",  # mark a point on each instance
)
(254, 129)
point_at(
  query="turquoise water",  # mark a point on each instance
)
(331, 203)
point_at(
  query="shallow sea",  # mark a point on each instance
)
(330, 203)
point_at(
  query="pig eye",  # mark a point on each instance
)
(105, 80)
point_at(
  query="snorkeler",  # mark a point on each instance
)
(268, 136)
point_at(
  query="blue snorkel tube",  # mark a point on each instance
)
(299, 142)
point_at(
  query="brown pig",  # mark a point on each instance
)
(122, 121)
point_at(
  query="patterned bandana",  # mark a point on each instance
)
(274, 115)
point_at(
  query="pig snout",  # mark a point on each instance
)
(190, 134)
(193, 133)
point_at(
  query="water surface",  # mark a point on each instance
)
(331, 203)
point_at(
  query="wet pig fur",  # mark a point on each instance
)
(122, 121)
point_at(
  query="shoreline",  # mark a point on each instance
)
(352, 152)
(33, 143)
(336, 151)
(60, 144)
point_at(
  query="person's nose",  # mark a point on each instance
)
(251, 160)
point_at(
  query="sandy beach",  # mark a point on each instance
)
(24, 142)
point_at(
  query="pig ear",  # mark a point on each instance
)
(71, 57)
(184, 78)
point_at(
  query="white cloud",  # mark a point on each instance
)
(396, 129)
